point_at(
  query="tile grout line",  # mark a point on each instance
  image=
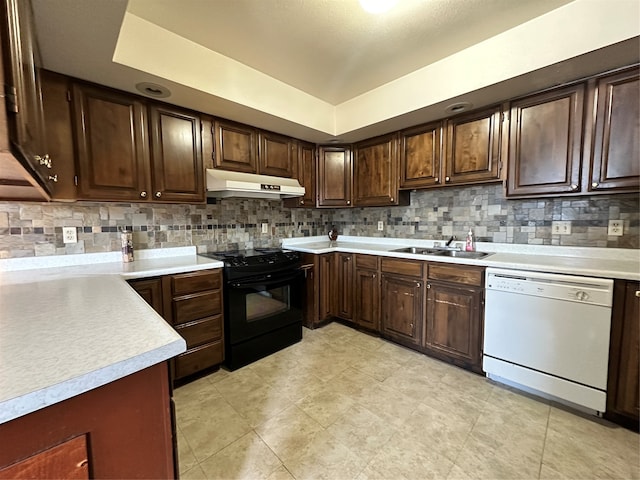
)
(544, 443)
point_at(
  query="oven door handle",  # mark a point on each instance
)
(266, 280)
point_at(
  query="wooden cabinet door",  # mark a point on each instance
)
(306, 176)
(112, 145)
(22, 86)
(367, 299)
(545, 143)
(150, 289)
(615, 157)
(624, 362)
(278, 155)
(334, 177)
(402, 309)
(236, 147)
(472, 147)
(454, 324)
(421, 156)
(67, 460)
(310, 266)
(344, 265)
(327, 285)
(375, 168)
(59, 134)
(178, 173)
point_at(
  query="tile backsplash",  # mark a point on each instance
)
(28, 229)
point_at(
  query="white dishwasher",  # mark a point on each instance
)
(549, 334)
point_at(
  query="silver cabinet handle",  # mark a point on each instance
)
(301, 202)
(348, 202)
(53, 178)
(447, 179)
(574, 187)
(417, 284)
(143, 194)
(45, 160)
(638, 293)
(392, 199)
(158, 194)
(437, 179)
(595, 185)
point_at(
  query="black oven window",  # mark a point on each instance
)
(266, 302)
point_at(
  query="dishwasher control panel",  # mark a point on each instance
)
(595, 291)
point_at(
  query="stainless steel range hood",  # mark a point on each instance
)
(224, 184)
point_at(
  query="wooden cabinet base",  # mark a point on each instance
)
(127, 423)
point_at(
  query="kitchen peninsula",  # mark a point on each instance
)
(88, 372)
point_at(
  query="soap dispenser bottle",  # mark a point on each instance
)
(470, 245)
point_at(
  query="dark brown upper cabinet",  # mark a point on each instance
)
(375, 173)
(334, 176)
(615, 147)
(545, 143)
(236, 147)
(306, 173)
(241, 148)
(25, 162)
(178, 172)
(421, 156)
(277, 155)
(112, 145)
(577, 140)
(472, 147)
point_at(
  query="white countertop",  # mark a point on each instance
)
(76, 324)
(619, 263)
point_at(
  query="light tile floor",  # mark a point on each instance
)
(345, 405)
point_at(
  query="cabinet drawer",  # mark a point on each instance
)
(195, 282)
(467, 275)
(198, 358)
(367, 261)
(201, 331)
(402, 267)
(194, 307)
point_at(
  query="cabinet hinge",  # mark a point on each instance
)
(11, 95)
(504, 116)
(75, 180)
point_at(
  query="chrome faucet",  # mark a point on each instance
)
(453, 237)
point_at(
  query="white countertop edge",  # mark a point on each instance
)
(19, 406)
(567, 251)
(51, 261)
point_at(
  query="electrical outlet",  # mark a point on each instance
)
(380, 225)
(616, 228)
(69, 235)
(561, 228)
(265, 228)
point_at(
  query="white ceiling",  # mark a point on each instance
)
(313, 68)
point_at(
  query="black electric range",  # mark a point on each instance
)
(263, 302)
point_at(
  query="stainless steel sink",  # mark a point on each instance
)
(410, 250)
(442, 251)
(464, 254)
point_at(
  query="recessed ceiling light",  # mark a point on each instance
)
(153, 90)
(377, 6)
(458, 107)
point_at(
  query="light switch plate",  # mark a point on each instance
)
(380, 225)
(616, 228)
(265, 228)
(69, 235)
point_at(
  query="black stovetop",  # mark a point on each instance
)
(257, 260)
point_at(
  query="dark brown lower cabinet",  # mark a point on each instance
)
(623, 403)
(344, 297)
(192, 304)
(122, 429)
(327, 284)
(367, 292)
(455, 314)
(402, 309)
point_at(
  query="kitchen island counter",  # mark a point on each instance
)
(69, 328)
